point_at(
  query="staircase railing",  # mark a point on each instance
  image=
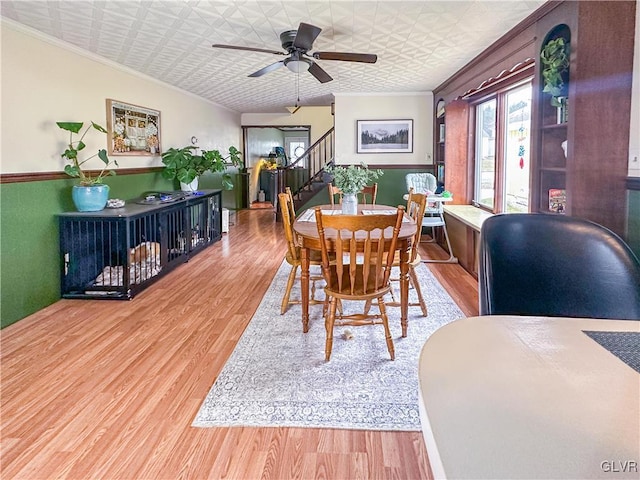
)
(316, 157)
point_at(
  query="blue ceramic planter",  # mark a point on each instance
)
(90, 199)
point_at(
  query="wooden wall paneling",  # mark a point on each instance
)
(599, 129)
(459, 242)
(513, 47)
(457, 163)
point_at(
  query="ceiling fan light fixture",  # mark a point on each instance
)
(297, 65)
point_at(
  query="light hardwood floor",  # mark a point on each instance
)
(108, 389)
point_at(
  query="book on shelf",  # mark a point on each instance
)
(557, 200)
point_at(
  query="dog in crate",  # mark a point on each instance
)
(145, 251)
(144, 263)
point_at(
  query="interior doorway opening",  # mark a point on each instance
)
(267, 148)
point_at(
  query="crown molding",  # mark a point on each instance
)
(97, 58)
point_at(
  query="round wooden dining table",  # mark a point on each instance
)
(307, 232)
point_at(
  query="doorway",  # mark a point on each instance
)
(260, 142)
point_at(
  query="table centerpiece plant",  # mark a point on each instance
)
(90, 194)
(351, 180)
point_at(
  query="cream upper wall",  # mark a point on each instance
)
(399, 106)
(44, 81)
(318, 118)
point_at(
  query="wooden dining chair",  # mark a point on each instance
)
(416, 205)
(333, 191)
(366, 245)
(292, 208)
(368, 194)
(293, 255)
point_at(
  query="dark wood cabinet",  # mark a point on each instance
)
(116, 253)
(596, 131)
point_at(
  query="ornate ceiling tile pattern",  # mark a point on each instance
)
(419, 43)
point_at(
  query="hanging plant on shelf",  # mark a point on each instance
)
(555, 63)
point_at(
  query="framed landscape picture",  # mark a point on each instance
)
(133, 130)
(385, 136)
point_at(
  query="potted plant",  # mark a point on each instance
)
(188, 163)
(90, 194)
(554, 57)
(220, 163)
(350, 180)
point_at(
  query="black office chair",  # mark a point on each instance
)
(556, 265)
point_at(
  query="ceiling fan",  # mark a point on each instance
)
(297, 43)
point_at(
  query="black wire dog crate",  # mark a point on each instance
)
(116, 253)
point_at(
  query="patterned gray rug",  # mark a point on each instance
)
(277, 376)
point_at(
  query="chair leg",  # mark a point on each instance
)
(367, 307)
(387, 331)
(413, 280)
(287, 293)
(451, 258)
(328, 325)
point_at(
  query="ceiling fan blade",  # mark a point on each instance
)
(346, 56)
(249, 49)
(267, 69)
(306, 35)
(317, 71)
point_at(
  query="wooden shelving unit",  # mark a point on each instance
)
(594, 169)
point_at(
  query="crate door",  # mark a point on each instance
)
(145, 256)
(175, 234)
(94, 256)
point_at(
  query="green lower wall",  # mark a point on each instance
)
(391, 188)
(29, 255)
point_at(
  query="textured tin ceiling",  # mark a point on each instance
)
(419, 43)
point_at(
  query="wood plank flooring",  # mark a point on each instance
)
(108, 389)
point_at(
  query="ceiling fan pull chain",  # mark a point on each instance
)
(298, 89)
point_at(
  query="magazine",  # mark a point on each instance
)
(557, 200)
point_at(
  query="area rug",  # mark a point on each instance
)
(277, 375)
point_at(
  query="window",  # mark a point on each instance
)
(295, 146)
(502, 146)
(486, 153)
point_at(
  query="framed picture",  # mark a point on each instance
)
(133, 130)
(385, 136)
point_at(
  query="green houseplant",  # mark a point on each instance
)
(90, 194)
(351, 180)
(74, 147)
(188, 163)
(554, 57)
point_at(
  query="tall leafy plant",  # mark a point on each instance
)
(74, 149)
